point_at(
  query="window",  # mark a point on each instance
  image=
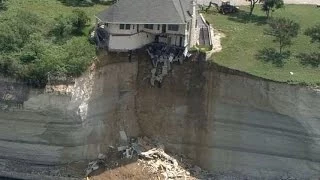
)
(173, 27)
(125, 26)
(148, 26)
(158, 27)
(133, 26)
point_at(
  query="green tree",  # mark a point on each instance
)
(79, 56)
(271, 5)
(9, 40)
(62, 28)
(79, 20)
(283, 30)
(313, 58)
(314, 33)
(24, 23)
(253, 4)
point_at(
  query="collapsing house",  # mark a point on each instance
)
(166, 27)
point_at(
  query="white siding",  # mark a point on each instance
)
(115, 29)
(125, 43)
(154, 30)
(182, 29)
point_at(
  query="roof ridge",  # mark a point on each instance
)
(183, 11)
(174, 4)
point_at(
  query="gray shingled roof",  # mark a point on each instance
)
(147, 12)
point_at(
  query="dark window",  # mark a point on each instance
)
(159, 27)
(133, 26)
(128, 26)
(148, 26)
(121, 26)
(173, 27)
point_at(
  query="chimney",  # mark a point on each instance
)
(193, 12)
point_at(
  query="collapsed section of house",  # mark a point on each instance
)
(162, 57)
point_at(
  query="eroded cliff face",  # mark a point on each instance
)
(67, 123)
(225, 120)
(229, 121)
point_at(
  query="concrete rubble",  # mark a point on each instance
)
(152, 157)
(95, 165)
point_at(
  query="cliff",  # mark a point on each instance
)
(227, 121)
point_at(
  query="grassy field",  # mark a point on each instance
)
(244, 38)
(49, 9)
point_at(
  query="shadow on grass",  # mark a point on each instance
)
(271, 55)
(85, 3)
(244, 17)
(312, 59)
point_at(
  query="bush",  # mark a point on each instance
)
(271, 55)
(312, 59)
(28, 54)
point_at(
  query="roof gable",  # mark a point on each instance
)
(146, 12)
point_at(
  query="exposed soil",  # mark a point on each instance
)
(132, 171)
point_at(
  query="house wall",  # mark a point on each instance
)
(182, 29)
(175, 40)
(125, 43)
(115, 29)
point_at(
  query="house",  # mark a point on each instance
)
(132, 24)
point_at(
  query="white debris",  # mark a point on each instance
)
(94, 165)
(102, 156)
(122, 148)
(123, 136)
(291, 73)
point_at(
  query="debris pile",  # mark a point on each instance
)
(95, 165)
(152, 157)
(162, 56)
(157, 160)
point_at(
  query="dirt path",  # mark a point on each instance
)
(243, 2)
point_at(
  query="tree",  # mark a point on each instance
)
(79, 20)
(79, 56)
(252, 4)
(62, 29)
(271, 5)
(9, 41)
(284, 30)
(313, 58)
(314, 33)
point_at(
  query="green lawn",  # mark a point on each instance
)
(244, 38)
(51, 8)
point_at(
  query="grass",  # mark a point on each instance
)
(244, 38)
(50, 9)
